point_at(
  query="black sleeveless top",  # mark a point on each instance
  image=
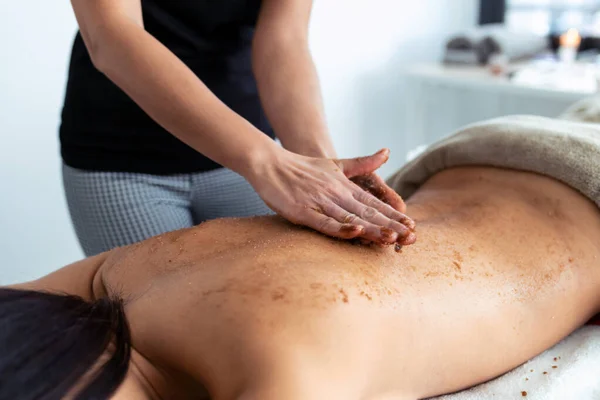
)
(102, 129)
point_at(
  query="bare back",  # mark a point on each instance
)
(505, 266)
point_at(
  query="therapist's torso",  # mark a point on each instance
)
(104, 130)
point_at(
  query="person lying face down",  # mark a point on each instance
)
(506, 266)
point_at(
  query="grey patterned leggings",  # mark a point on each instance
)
(111, 209)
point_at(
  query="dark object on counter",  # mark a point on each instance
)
(463, 51)
(477, 46)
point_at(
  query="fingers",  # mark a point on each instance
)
(331, 227)
(310, 192)
(375, 212)
(364, 165)
(366, 201)
(375, 185)
(373, 231)
(376, 217)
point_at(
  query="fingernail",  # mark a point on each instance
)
(410, 239)
(350, 229)
(409, 223)
(388, 235)
(385, 153)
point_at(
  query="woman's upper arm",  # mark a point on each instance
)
(284, 18)
(95, 16)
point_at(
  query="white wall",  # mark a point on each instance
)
(360, 48)
(35, 231)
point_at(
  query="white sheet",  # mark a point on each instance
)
(576, 376)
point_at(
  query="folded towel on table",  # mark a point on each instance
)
(566, 151)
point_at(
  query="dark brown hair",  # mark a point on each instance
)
(49, 342)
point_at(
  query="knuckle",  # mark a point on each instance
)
(315, 198)
(297, 214)
(335, 190)
(323, 224)
(342, 199)
(350, 218)
(395, 215)
(337, 198)
(366, 198)
(326, 209)
(369, 212)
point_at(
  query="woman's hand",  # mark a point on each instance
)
(340, 198)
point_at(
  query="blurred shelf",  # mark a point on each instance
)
(442, 99)
(481, 79)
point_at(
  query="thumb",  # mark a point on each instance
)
(364, 165)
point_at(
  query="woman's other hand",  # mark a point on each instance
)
(340, 198)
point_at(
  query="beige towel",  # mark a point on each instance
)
(566, 151)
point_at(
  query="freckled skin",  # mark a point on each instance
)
(344, 295)
(251, 300)
(457, 265)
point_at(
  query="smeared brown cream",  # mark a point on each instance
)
(369, 184)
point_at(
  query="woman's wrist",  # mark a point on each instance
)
(258, 157)
(313, 149)
(314, 143)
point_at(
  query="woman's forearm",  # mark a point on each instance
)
(313, 191)
(169, 92)
(291, 94)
